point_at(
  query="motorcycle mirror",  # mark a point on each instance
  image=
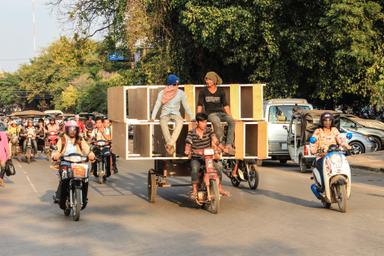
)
(312, 140)
(349, 135)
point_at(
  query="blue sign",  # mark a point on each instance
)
(116, 56)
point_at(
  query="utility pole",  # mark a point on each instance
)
(34, 25)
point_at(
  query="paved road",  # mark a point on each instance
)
(281, 218)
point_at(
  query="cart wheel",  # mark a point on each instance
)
(152, 186)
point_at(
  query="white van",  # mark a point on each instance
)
(278, 113)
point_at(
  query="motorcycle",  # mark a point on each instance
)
(102, 166)
(335, 185)
(74, 173)
(245, 172)
(14, 145)
(50, 143)
(28, 149)
(208, 195)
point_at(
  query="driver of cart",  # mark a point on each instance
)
(213, 99)
(327, 134)
(169, 100)
(99, 132)
(202, 137)
(71, 142)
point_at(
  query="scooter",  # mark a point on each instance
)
(28, 149)
(245, 172)
(50, 143)
(74, 172)
(335, 185)
(208, 195)
(14, 145)
(103, 165)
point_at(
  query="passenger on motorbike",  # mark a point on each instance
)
(52, 126)
(326, 136)
(71, 143)
(200, 138)
(99, 132)
(108, 131)
(29, 130)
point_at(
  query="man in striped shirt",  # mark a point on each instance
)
(198, 139)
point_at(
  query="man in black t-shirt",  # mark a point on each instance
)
(212, 98)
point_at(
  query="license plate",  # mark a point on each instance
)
(80, 170)
(284, 146)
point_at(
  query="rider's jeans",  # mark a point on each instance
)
(34, 144)
(319, 167)
(215, 119)
(171, 139)
(195, 166)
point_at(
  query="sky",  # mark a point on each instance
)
(16, 31)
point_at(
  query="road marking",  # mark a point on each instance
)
(30, 183)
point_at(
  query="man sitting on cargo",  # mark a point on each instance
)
(199, 138)
(169, 99)
(213, 99)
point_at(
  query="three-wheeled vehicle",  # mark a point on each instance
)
(301, 128)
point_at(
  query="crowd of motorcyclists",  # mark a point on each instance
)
(46, 136)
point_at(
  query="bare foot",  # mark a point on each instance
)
(225, 193)
(1, 182)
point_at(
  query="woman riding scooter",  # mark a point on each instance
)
(326, 136)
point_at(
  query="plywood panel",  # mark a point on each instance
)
(239, 140)
(262, 140)
(116, 103)
(120, 139)
(138, 106)
(142, 140)
(189, 90)
(235, 101)
(258, 101)
(246, 101)
(251, 139)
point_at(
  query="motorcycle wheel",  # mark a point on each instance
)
(326, 205)
(152, 186)
(28, 155)
(67, 211)
(76, 204)
(214, 204)
(341, 197)
(235, 182)
(101, 177)
(253, 177)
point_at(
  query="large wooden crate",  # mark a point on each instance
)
(132, 106)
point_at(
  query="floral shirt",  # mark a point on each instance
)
(324, 140)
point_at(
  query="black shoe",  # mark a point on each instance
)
(115, 170)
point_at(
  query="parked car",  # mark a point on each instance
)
(360, 143)
(374, 129)
(278, 113)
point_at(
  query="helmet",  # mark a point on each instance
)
(70, 125)
(327, 115)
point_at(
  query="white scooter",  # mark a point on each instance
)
(336, 184)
